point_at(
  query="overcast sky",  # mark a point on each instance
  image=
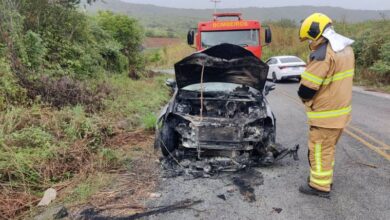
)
(351, 4)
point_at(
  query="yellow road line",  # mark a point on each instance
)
(381, 150)
(357, 130)
(372, 147)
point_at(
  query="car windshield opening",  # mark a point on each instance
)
(290, 60)
(213, 87)
(238, 37)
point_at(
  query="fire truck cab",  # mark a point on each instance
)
(245, 33)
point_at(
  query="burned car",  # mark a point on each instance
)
(219, 108)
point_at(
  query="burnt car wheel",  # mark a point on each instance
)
(167, 139)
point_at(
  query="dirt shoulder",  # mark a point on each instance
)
(128, 190)
(116, 193)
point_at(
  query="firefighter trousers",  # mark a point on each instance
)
(322, 146)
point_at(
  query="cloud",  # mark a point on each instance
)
(351, 4)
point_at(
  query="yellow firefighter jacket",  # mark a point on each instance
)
(330, 75)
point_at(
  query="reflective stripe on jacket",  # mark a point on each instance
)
(332, 78)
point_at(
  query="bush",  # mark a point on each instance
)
(66, 91)
(372, 52)
(127, 32)
(57, 39)
(11, 93)
(382, 66)
(76, 124)
(35, 49)
(32, 137)
(23, 150)
(115, 61)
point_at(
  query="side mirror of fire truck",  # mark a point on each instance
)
(268, 35)
(191, 37)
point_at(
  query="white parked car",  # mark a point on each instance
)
(285, 67)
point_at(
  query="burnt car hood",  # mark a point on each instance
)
(222, 63)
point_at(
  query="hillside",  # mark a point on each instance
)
(173, 19)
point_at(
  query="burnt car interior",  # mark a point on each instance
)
(219, 111)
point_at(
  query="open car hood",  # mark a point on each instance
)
(222, 63)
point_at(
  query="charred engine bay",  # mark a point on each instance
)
(240, 102)
(226, 121)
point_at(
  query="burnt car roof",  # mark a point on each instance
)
(222, 63)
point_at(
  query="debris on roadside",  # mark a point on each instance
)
(49, 195)
(164, 209)
(154, 195)
(277, 210)
(94, 213)
(222, 196)
(88, 213)
(366, 164)
(293, 152)
(56, 212)
(61, 213)
(246, 181)
(231, 190)
(207, 167)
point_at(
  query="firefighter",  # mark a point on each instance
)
(326, 91)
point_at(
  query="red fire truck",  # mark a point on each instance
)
(245, 33)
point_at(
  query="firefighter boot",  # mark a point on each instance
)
(308, 190)
(308, 182)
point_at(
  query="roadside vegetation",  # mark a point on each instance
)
(165, 57)
(71, 86)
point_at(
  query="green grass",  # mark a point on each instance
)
(84, 190)
(136, 101)
(149, 121)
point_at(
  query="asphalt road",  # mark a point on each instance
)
(361, 182)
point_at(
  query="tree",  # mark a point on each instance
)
(127, 32)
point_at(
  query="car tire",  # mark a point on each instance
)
(167, 140)
(274, 79)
